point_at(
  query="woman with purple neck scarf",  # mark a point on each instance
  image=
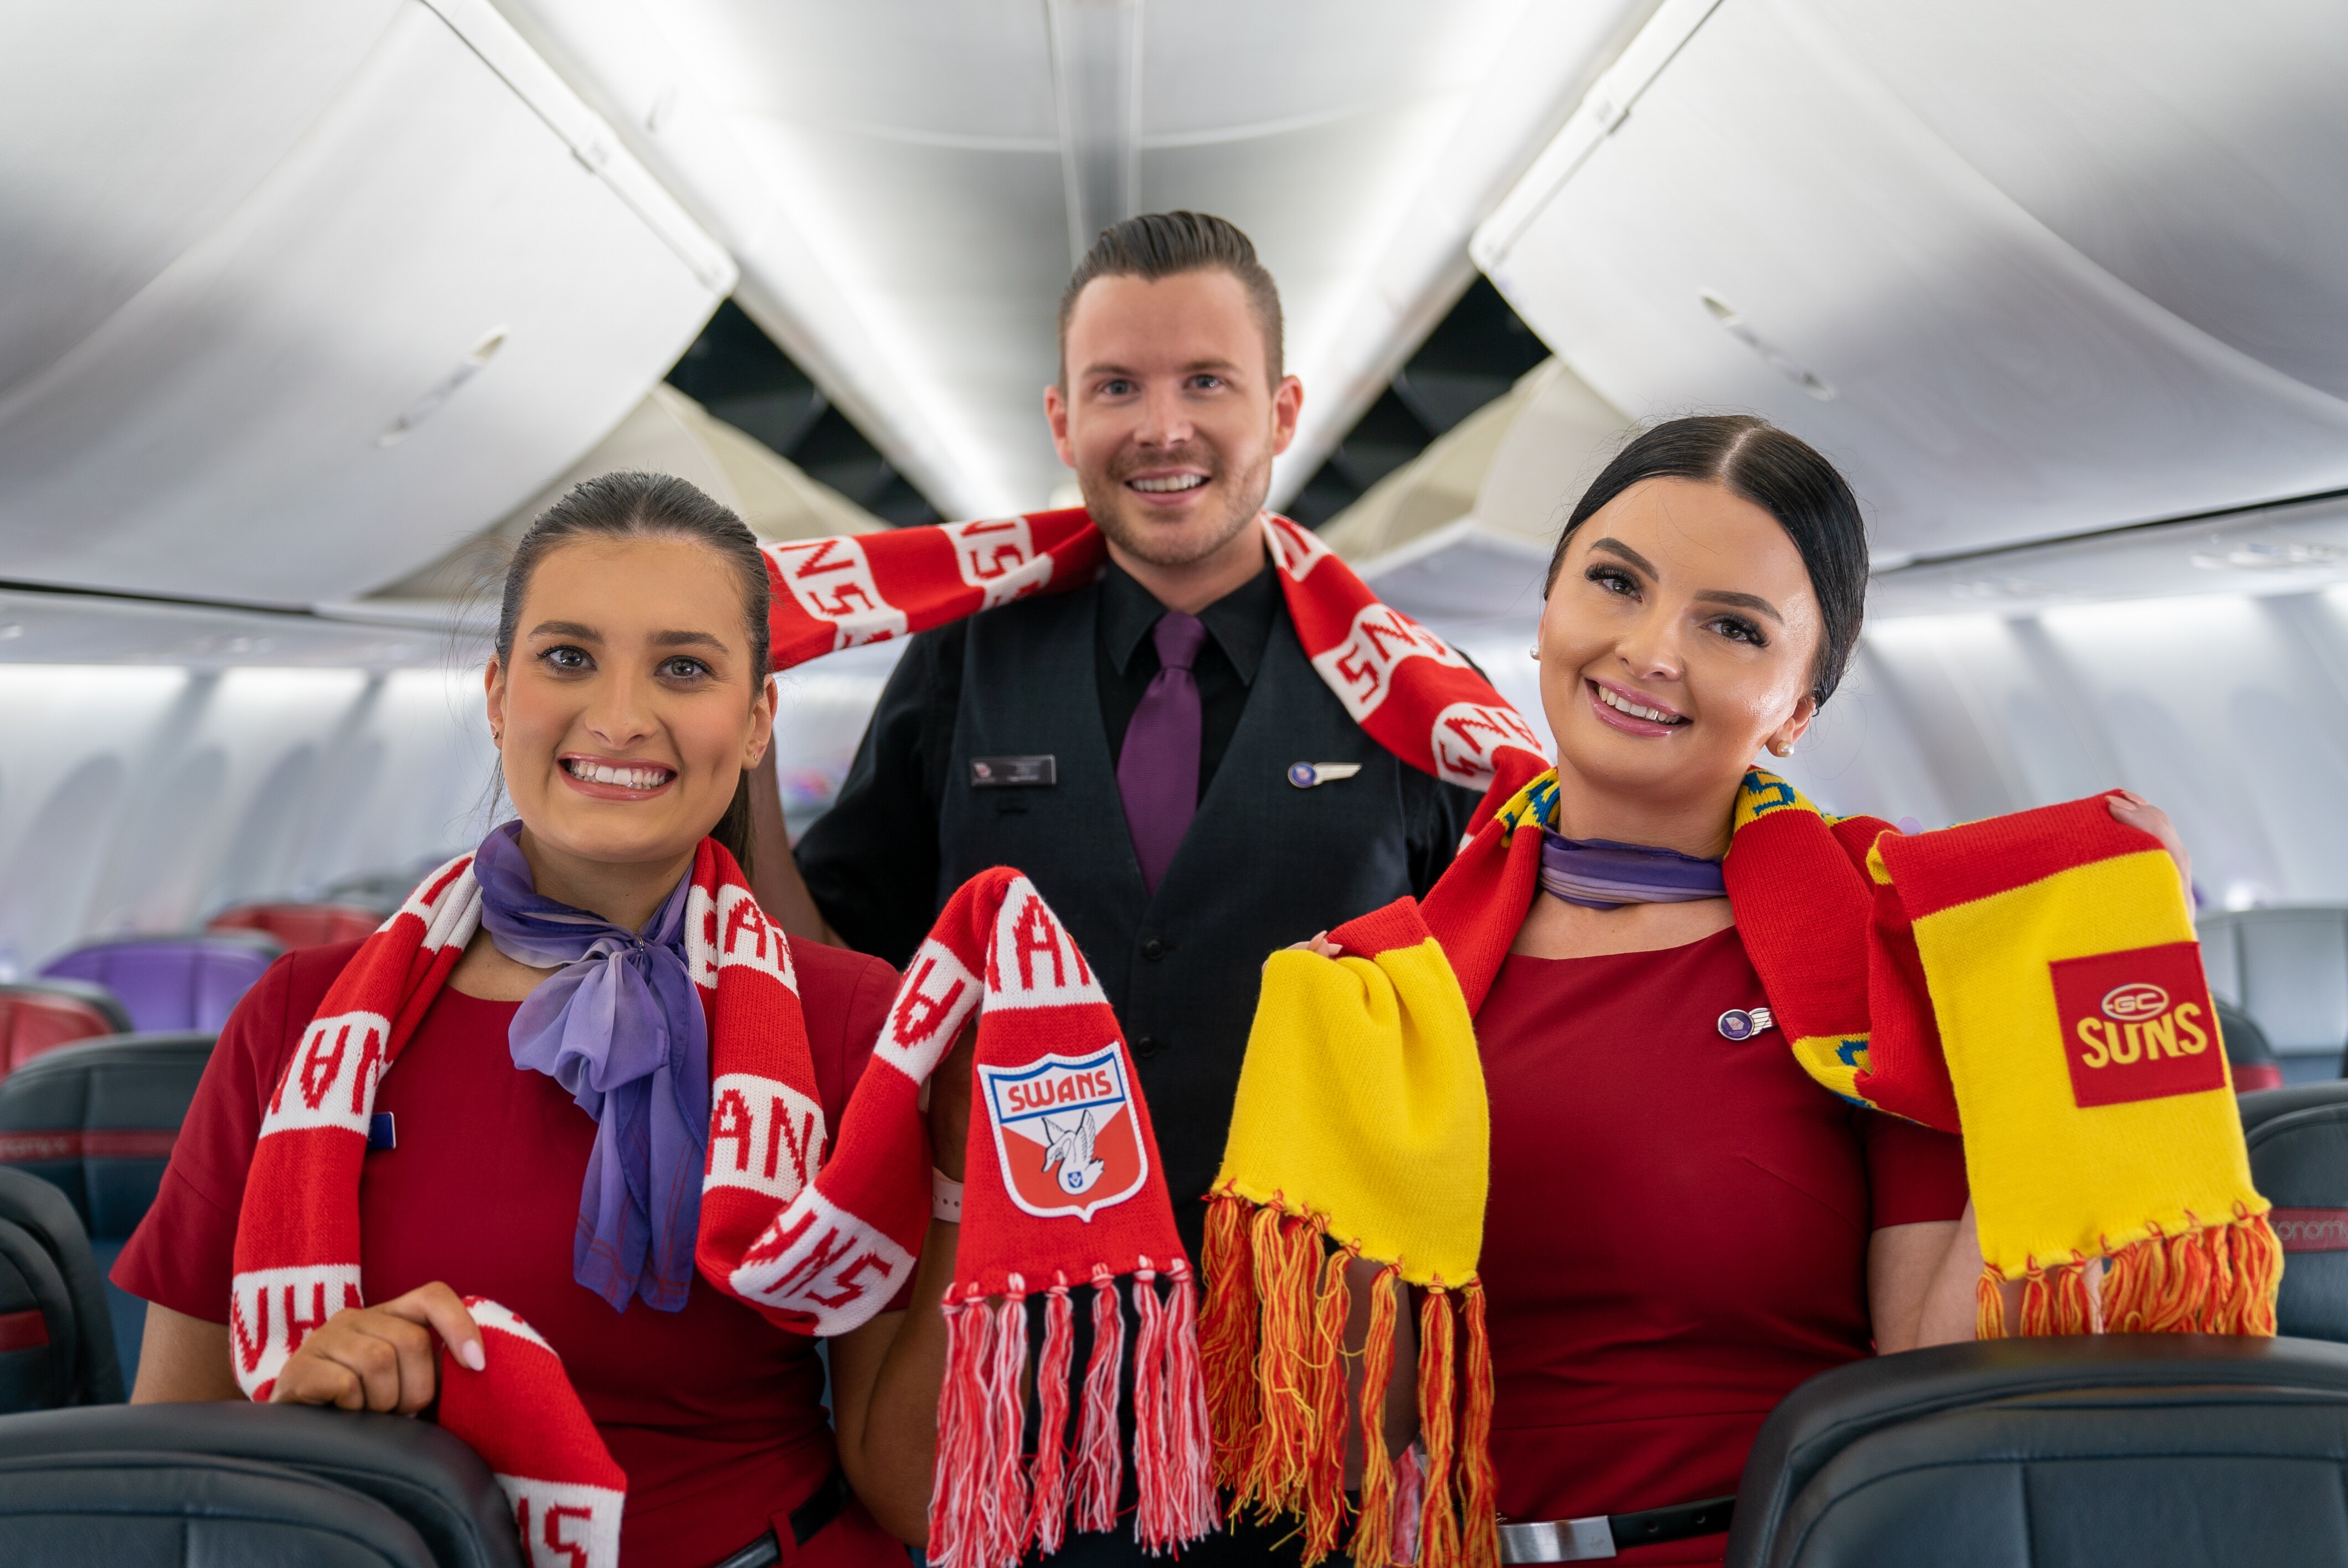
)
(1682, 1225)
(542, 1136)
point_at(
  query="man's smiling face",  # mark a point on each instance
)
(1170, 412)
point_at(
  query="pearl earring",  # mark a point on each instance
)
(1533, 654)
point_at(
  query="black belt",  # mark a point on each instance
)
(829, 1499)
(1603, 1534)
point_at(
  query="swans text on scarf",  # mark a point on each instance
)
(1063, 1194)
(1409, 689)
(298, 1243)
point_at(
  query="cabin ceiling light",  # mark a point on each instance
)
(2269, 558)
(1775, 358)
(797, 281)
(2000, 588)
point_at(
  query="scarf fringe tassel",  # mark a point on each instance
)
(1274, 1334)
(992, 1502)
(2205, 1280)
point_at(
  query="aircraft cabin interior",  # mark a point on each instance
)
(308, 312)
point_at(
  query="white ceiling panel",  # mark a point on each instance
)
(118, 155)
(1968, 252)
(439, 294)
(2198, 154)
(923, 155)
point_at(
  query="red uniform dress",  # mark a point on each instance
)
(1677, 1229)
(713, 1414)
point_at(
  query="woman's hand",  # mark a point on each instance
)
(949, 1107)
(2134, 811)
(381, 1357)
(1320, 944)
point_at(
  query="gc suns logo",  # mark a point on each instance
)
(2139, 1025)
(1065, 1132)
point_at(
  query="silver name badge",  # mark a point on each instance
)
(1304, 775)
(1002, 773)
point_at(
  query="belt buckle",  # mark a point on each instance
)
(1558, 1541)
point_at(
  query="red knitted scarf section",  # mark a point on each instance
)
(1410, 690)
(297, 1237)
(1062, 1190)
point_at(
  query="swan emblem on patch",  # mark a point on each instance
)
(1066, 1134)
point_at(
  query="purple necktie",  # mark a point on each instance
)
(1158, 772)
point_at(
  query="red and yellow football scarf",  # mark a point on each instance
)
(1062, 1189)
(1406, 687)
(298, 1234)
(2032, 978)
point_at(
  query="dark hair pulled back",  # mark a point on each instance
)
(628, 506)
(1785, 478)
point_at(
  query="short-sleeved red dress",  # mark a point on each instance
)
(715, 1414)
(1677, 1229)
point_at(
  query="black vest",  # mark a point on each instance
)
(1264, 864)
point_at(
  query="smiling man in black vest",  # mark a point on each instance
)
(1133, 746)
(1153, 750)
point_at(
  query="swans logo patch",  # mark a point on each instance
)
(1064, 1131)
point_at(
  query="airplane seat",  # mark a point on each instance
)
(2288, 970)
(41, 1015)
(2250, 1056)
(260, 1484)
(2298, 1140)
(172, 982)
(381, 891)
(2154, 1450)
(299, 925)
(97, 1121)
(57, 1344)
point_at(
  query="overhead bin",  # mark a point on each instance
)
(2024, 271)
(301, 296)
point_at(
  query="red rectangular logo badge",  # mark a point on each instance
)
(2139, 1025)
(2310, 1229)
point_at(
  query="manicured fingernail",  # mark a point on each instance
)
(469, 1353)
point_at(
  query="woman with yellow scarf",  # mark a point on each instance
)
(1634, 1027)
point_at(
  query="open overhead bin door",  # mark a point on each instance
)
(301, 296)
(2023, 271)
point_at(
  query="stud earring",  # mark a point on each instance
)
(1533, 654)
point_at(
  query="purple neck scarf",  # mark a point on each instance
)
(1599, 874)
(621, 1027)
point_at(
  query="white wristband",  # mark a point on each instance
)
(945, 1197)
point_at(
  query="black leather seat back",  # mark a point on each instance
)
(2152, 1451)
(2252, 1059)
(96, 1119)
(172, 1512)
(222, 1484)
(57, 1344)
(2297, 1140)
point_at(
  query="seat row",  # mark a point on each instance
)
(2153, 1449)
(122, 984)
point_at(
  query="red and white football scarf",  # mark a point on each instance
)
(1405, 686)
(1062, 1188)
(297, 1235)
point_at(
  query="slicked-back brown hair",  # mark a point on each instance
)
(1167, 245)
